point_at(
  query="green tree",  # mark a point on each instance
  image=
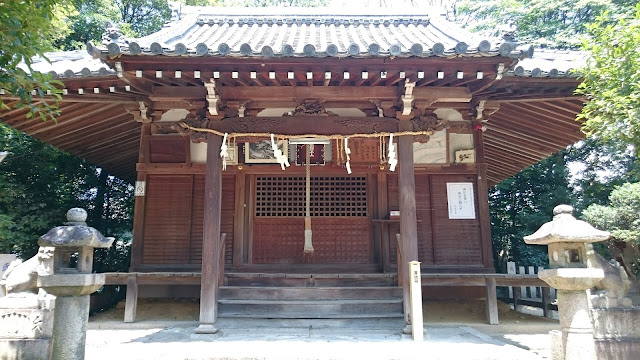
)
(143, 16)
(546, 23)
(601, 167)
(263, 3)
(622, 218)
(26, 31)
(521, 204)
(611, 80)
(39, 183)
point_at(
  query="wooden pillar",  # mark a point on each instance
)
(484, 217)
(211, 246)
(408, 223)
(137, 245)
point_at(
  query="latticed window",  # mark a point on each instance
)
(331, 196)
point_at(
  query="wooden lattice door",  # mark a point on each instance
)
(340, 220)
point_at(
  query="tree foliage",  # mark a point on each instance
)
(39, 183)
(611, 80)
(26, 30)
(622, 218)
(545, 23)
(264, 3)
(521, 204)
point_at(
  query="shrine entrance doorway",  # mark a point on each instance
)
(340, 208)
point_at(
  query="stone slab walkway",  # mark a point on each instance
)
(314, 339)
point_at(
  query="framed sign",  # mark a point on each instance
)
(261, 152)
(317, 154)
(460, 200)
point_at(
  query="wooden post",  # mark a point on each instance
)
(417, 327)
(492, 301)
(483, 201)
(211, 237)
(408, 222)
(137, 245)
(131, 303)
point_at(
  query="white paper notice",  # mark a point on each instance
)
(460, 199)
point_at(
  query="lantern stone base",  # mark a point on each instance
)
(616, 332)
(26, 326)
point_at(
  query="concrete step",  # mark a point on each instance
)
(309, 293)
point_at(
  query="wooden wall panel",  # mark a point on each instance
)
(167, 149)
(166, 223)
(345, 240)
(394, 228)
(457, 241)
(441, 241)
(423, 215)
(197, 218)
(174, 213)
(227, 220)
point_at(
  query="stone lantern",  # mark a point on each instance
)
(72, 285)
(575, 268)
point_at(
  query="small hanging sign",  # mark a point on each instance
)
(460, 199)
(140, 188)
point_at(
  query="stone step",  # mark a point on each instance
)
(309, 293)
(311, 309)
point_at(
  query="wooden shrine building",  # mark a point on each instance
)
(388, 131)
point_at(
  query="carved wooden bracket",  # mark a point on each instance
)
(198, 122)
(141, 114)
(482, 110)
(427, 122)
(314, 108)
(407, 98)
(212, 97)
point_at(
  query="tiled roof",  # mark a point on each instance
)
(551, 63)
(70, 64)
(310, 32)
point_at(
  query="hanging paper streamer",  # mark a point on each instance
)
(308, 236)
(277, 153)
(393, 161)
(224, 154)
(347, 151)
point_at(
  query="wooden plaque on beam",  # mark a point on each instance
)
(364, 151)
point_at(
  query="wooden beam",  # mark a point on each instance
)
(211, 246)
(341, 93)
(296, 125)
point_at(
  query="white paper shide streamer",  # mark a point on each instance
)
(347, 151)
(277, 153)
(393, 161)
(224, 151)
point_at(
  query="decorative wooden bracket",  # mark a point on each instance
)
(143, 111)
(407, 98)
(483, 110)
(137, 84)
(212, 98)
(141, 114)
(500, 71)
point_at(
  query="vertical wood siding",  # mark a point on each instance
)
(174, 213)
(441, 241)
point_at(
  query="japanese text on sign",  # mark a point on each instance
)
(460, 199)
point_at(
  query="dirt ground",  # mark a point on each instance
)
(449, 311)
